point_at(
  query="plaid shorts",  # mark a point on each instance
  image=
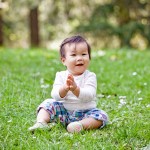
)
(59, 114)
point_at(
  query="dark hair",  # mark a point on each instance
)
(73, 39)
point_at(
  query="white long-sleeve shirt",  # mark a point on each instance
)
(87, 97)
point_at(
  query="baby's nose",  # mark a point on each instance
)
(79, 57)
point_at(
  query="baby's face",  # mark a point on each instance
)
(76, 58)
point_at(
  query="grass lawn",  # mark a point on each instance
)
(26, 79)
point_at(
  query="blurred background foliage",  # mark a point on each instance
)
(45, 23)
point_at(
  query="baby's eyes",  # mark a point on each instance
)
(73, 55)
(84, 54)
(76, 55)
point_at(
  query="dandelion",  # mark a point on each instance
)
(134, 73)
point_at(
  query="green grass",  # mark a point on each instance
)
(26, 78)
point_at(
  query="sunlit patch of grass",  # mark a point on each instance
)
(123, 91)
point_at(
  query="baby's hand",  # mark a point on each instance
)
(71, 83)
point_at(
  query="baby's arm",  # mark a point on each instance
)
(60, 89)
(88, 91)
(64, 89)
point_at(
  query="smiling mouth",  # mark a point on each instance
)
(79, 65)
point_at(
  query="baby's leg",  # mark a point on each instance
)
(86, 124)
(93, 119)
(43, 116)
(91, 123)
(49, 111)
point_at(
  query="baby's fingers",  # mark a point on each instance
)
(68, 82)
(70, 76)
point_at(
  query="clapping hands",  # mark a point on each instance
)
(70, 83)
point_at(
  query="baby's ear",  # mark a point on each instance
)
(63, 60)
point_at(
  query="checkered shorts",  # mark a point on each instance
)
(59, 113)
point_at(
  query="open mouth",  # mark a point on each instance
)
(79, 65)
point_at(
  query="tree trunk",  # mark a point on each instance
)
(34, 28)
(123, 13)
(1, 28)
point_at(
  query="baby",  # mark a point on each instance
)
(73, 100)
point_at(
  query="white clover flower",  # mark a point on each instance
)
(94, 134)
(100, 95)
(41, 81)
(9, 121)
(122, 97)
(55, 61)
(44, 86)
(94, 54)
(66, 134)
(140, 99)
(101, 53)
(109, 96)
(134, 73)
(122, 102)
(148, 105)
(139, 92)
(36, 74)
(113, 57)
